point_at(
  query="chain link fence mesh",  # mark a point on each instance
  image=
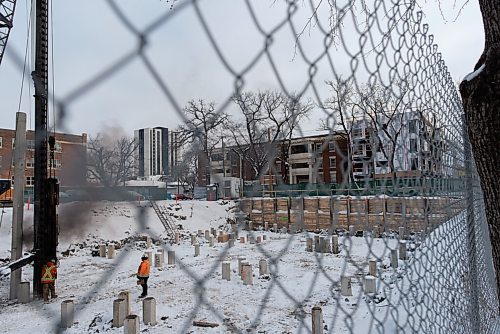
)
(393, 240)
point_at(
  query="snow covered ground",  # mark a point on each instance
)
(194, 289)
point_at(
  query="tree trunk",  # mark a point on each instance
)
(481, 102)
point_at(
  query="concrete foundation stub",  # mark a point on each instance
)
(23, 293)
(345, 286)
(127, 297)
(177, 238)
(193, 239)
(266, 226)
(275, 228)
(370, 284)
(111, 251)
(316, 243)
(171, 258)
(402, 250)
(226, 270)
(250, 226)
(102, 250)
(372, 268)
(211, 241)
(335, 244)
(259, 239)
(401, 233)
(158, 260)
(263, 267)
(246, 274)
(317, 320)
(264, 237)
(148, 242)
(149, 311)
(351, 230)
(207, 234)
(132, 325)
(394, 258)
(240, 261)
(196, 250)
(309, 244)
(119, 310)
(67, 313)
(230, 242)
(242, 240)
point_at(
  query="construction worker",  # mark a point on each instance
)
(49, 275)
(143, 275)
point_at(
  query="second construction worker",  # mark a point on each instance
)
(143, 275)
(49, 276)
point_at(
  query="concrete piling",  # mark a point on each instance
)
(193, 239)
(246, 274)
(230, 242)
(23, 293)
(171, 258)
(211, 241)
(149, 311)
(213, 232)
(394, 258)
(111, 251)
(401, 233)
(259, 239)
(375, 232)
(67, 313)
(132, 325)
(207, 234)
(200, 233)
(370, 284)
(309, 244)
(351, 230)
(372, 268)
(263, 267)
(264, 237)
(275, 228)
(226, 270)
(148, 242)
(250, 226)
(251, 240)
(317, 320)
(316, 243)
(102, 250)
(177, 238)
(327, 246)
(345, 286)
(119, 312)
(242, 240)
(158, 260)
(196, 250)
(402, 250)
(127, 297)
(335, 244)
(241, 259)
(266, 226)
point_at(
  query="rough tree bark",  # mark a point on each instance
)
(481, 101)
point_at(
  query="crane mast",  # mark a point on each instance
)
(7, 8)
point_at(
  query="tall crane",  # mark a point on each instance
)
(7, 8)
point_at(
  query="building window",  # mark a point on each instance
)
(296, 149)
(414, 163)
(413, 145)
(30, 181)
(333, 163)
(30, 163)
(412, 126)
(1, 142)
(331, 146)
(58, 147)
(300, 165)
(56, 163)
(30, 144)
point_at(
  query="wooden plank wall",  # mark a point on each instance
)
(331, 213)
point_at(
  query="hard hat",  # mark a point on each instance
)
(144, 256)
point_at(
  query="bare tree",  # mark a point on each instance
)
(269, 121)
(481, 102)
(110, 161)
(203, 125)
(187, 169)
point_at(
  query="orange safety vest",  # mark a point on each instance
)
(143, 270)
(49, 273)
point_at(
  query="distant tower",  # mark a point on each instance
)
(153, 151)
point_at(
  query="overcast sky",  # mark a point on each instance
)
(89, 37)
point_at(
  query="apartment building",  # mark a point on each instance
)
(312, 159)
(158, 152)
(70, 157)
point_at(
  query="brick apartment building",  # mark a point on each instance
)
(70, 166)
(312, 159)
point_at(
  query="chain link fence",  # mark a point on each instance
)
(379, 220)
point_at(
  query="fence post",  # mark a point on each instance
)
(471, 233)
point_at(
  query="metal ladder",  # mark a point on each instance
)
(166, 220)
